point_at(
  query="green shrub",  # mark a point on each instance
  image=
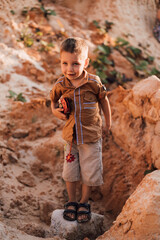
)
(105, 67)
(16, 97)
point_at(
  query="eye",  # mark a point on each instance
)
(64, 63)
(76, 63)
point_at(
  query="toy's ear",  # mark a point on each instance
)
(86, 63)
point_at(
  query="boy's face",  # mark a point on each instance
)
(73, 64)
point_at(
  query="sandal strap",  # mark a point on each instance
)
(74, 204)
(66, 211)
(70, 211)
(84, 205)
(79, 213)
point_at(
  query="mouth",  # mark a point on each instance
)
(71, 74)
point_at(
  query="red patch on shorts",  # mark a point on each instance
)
(70, 157)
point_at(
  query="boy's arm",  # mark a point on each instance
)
(57, 111)
(106, 111)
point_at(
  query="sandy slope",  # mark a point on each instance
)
(134, 18)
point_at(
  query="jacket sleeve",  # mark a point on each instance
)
(102, 91)
(56, 92)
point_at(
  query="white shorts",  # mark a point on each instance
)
(85, 163)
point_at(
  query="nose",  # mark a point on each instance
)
(70, 68)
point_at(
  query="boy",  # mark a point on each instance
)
(85, 96)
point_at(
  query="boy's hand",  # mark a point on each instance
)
(106, 131)
(58, 113)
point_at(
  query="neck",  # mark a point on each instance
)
(77, 82)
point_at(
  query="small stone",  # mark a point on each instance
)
(27, 179)
(41, 78)
(12, 158)
(33, 71)
(20, 134)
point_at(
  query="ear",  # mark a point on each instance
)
(86, 63)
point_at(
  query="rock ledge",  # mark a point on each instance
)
(74, 230)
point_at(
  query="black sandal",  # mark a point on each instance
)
(87, 213)
(70, 211)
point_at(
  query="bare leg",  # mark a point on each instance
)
(86, 190)
(71, 190)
